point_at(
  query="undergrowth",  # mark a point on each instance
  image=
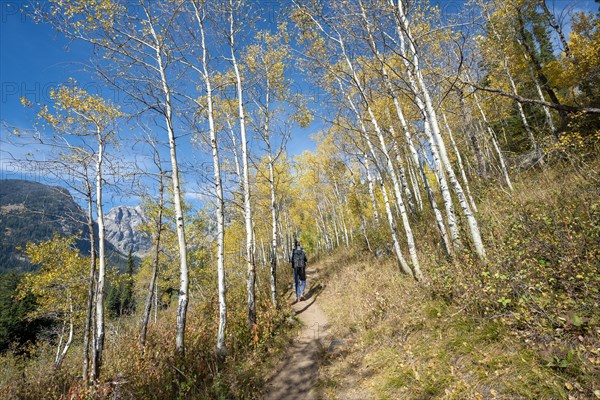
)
(523, 325)
(130, 372)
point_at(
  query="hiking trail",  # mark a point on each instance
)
(296, 375)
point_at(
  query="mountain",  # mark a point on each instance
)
(33, 212)
(121, 230)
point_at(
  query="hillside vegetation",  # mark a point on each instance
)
(523, 326)
(450, 202)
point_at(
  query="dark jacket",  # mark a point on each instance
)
(298, 258)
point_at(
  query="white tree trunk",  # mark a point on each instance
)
(534, 144)
(461, 168)
(177, 200)
(399, 112)
(335, 232)
(438, 168)
(494, 143)
(403, 264)
(512, 83)
(557, 27)
(273, 227)
(91, 284)
(403, 29)
(340, 213)
(441, 178)
(99, 332)
(364, 232)
(221, 347)
(400, 203)
(538, 88)
(371, 189)
(439, 219)
(402, 171)
(271, 162)
(60, 357)
(251, 278)
(414, 181)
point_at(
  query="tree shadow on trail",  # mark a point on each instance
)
(311, 297)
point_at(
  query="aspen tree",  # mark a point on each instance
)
(199, 13)
(158, 228)
(461, 168)
(492, 136)
(414, 181)
(421, 89)
(267, 61)
(472, 133)
(250, 262)
(512, 84)
(74, 166)
(77, 113)
(371, 189)
(395, 181)
(137, 41)
(59, 286)
(403, 264)
(556, 26)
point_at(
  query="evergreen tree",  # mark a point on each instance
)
(127, 299)
(15, 327)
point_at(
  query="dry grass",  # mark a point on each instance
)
(399, 343)
(523, 326)
(156, 373)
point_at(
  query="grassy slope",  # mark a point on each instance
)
(130, 373)
(524, 326)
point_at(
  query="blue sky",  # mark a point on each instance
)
(34, 58)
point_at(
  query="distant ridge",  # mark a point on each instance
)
(33, 212)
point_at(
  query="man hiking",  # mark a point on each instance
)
(298, 261)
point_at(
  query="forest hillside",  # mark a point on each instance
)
(524, 326)
(447, 201)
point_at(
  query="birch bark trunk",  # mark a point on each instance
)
(251, 278)
(439, 164)
(556, 26)
(403, 264)
(540, 93)
(414, 181)
(494, 143)
(221, 284)
(99, 304)
(177, 198)
(512, 82)
(439, 219)
(400, 203)
(273, 228)
(461, 168)
(371, 189)
(402, 172)
(60, 357)
(404, 30)
(92, 283)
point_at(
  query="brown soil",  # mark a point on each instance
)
(296, 376)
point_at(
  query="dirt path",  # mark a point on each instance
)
(298, 373)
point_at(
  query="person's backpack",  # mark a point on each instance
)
(298, 259)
